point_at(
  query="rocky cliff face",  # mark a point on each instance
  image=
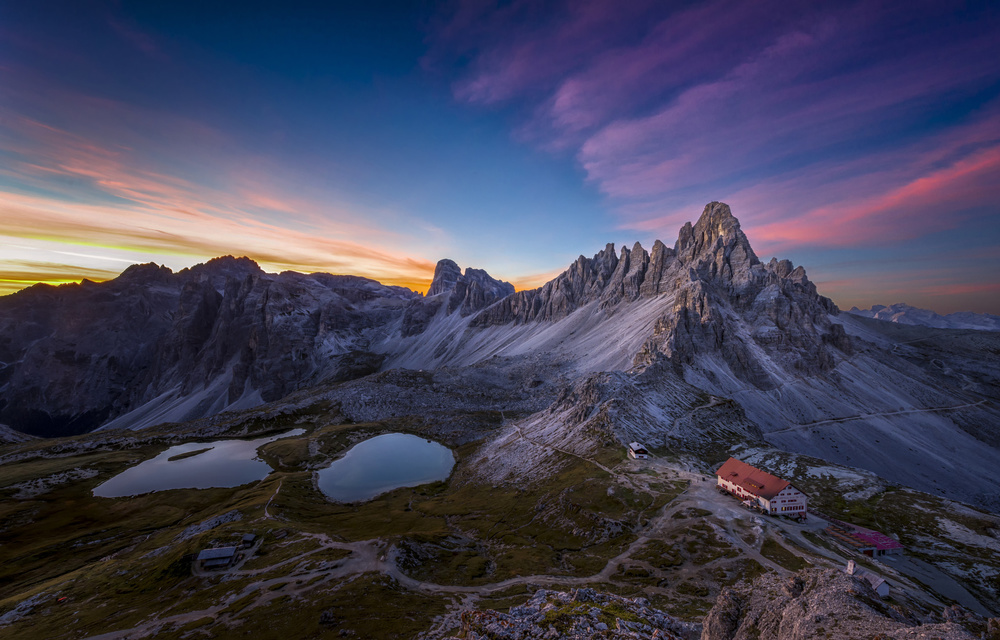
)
(467, 293)
(71, 355)
(728, 303)
(76, 356)
(584, 281)
(453, 291)
(724, 301)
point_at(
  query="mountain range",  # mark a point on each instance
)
(618, 346)
(905, 314)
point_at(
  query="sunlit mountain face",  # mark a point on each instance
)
(861, 138)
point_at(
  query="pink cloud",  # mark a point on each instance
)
(101, 151)
(908, 211)
(760, 112)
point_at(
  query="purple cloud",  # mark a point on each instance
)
(666, 107)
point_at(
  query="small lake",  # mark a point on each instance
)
(195, 465)
(384, 463)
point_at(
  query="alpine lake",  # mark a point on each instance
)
(372, 467)
(384, 463)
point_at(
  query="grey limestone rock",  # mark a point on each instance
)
(469, 292)
(576, 615)
(816, 603)
(446, 275)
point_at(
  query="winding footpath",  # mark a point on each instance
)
(267, 514)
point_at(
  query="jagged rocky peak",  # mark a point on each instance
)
(446, 275)
(230, 264)
(467, 293)
(480, 291)
(584, 281)
(715, 228)
(713, 250)
(628, 277)
(716, 247)
(483, 288)
(726, 304)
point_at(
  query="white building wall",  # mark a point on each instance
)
(790, 502)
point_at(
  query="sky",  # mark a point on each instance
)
(859, 139)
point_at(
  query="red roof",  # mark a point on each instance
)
(751, 479)
(877, 539)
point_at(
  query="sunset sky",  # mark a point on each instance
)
(861, 140)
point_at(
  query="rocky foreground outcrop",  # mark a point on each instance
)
(827, 603)
(577, 615)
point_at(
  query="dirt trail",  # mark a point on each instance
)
(714, 401)
(267, 514)
(865, 416)
(520, 434)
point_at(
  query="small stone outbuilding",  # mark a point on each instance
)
(216, 559)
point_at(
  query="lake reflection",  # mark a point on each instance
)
(384, 463)
(226, 463)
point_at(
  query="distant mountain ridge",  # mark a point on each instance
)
(902, 313)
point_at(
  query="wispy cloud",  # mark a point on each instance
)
(150, 232)
(138, 38)
(938, 200)
(79, 172)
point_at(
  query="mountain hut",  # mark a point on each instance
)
(762, 490)
(637, 451)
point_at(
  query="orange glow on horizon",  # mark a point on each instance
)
(12, 281)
